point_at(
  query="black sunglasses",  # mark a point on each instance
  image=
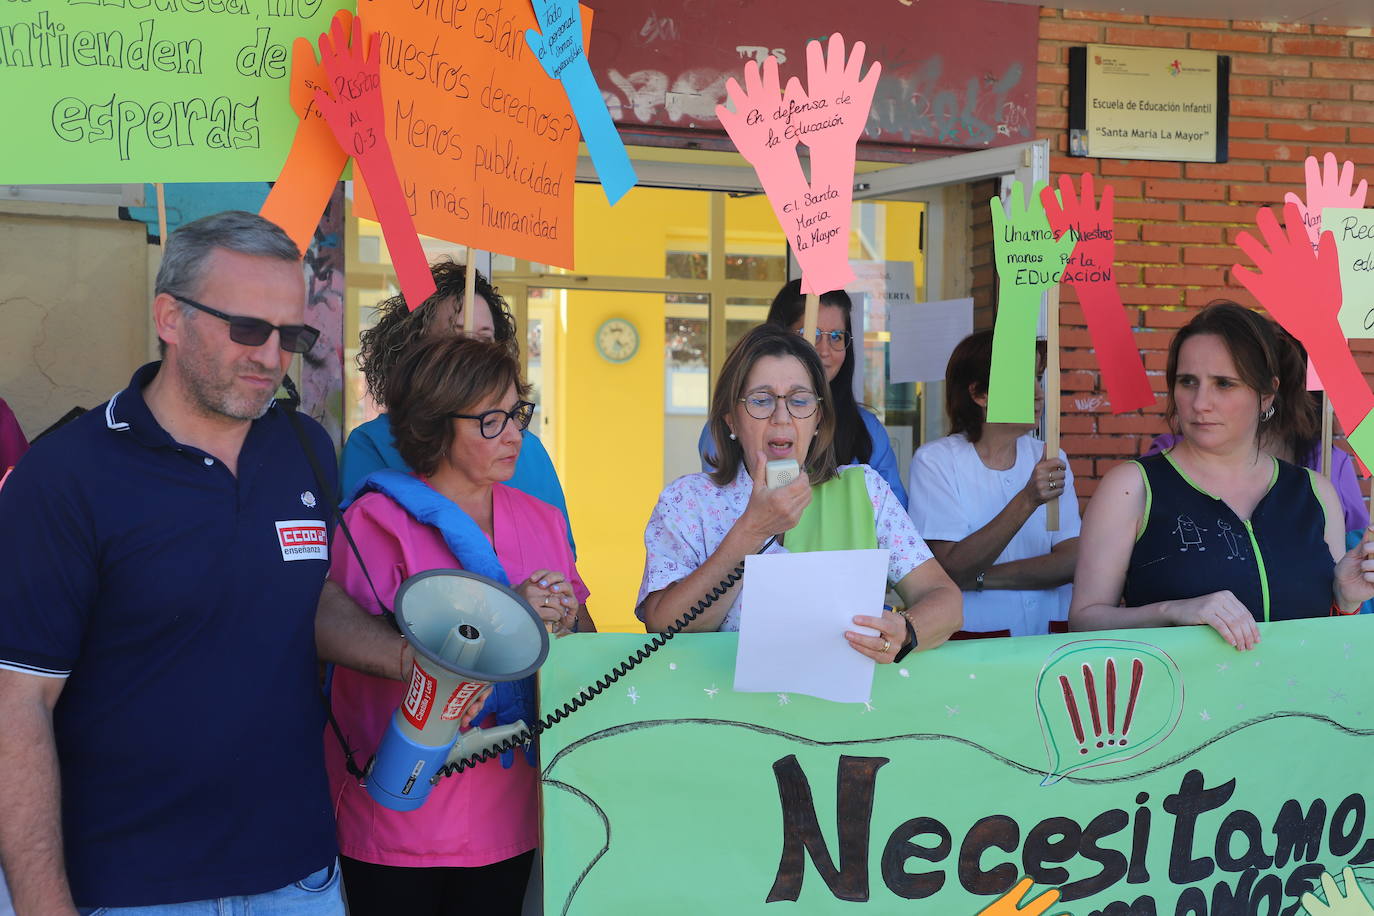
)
(493, 422)
(254, 332)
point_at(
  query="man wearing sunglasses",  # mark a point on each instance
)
(158, 616)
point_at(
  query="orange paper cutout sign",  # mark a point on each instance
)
(315, 162)
(485, 143)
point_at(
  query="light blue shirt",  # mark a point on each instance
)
(883, 460)
(370, 448)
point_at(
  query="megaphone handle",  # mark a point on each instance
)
(474, 741)
(592, 691)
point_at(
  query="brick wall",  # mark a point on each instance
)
(1296, 90)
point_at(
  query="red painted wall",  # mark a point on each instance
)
(956, 73)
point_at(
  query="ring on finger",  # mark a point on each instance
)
(887, 645)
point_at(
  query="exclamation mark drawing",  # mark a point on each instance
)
(1090, 687)
(1111, 701)
(1072, 706)
(1137, 676)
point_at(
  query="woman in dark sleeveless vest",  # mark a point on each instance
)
(1216, 531)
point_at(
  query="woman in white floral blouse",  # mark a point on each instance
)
(767, 407)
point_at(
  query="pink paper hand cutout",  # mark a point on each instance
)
(838, 100)
(757, 127)
(354, 110)
(1301, 287)
(754, 127)
(834, 82)
(1090, 272)
(1325, 188)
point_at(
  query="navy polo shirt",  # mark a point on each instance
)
(178, 600)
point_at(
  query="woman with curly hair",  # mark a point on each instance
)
(397, 332)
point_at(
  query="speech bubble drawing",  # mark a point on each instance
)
(1103, 701)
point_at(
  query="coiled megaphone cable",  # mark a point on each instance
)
(592, 691)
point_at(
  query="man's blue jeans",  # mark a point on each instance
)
(314, 895)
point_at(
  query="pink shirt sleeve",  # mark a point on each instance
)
(12, 441)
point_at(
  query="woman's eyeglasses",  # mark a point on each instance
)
(838, 340)
(762, 404)
(254, 332)
(492, 423)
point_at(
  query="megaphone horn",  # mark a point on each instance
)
(467, 632)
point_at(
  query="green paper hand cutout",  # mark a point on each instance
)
(1350, 903)
(1029, 261)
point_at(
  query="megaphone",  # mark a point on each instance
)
(467, 632)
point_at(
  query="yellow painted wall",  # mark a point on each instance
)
(74, 308)
(610, 416)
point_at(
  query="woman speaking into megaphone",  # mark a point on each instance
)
(457, 408)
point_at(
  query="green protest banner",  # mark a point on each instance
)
(1138, 772)
(1354, 232)
(151, 90)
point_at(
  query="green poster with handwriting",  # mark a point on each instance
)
(1139, 772)
(1354, 232)
(117, 91)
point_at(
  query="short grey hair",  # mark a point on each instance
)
(188, 247)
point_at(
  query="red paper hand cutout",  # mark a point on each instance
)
(353, 108)
(315, 162)
(1089, 271)
(1301, 288)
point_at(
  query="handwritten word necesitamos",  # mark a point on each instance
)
(45, 43)
(1211, 841)
(219, 123)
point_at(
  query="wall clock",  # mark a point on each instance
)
(617, 340)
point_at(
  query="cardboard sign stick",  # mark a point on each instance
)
(1327, 413)
(1052, 394)
(813, 311)
(469, 291)
(161, 215)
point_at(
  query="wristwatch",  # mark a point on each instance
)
(905, 650)
(978, 583)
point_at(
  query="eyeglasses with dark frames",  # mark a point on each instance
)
(838, 340)
(493, 422)
(762, 404)
(254, 332)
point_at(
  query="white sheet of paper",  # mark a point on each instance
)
(791, 636)
(923, 336)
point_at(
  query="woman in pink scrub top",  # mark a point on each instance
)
(457, 409)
